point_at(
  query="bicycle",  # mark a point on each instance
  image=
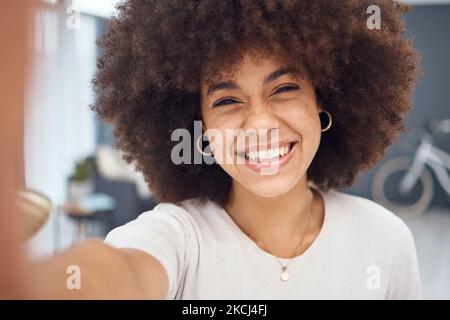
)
(412, 172)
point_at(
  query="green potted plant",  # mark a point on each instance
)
(80, 184)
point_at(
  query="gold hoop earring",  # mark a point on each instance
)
(200, 149)
(330, 120)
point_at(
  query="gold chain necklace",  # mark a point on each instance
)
(284, 276)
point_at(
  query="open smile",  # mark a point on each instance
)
(260, 158)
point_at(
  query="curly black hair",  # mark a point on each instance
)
(156, 53)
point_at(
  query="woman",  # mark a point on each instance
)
(335, 93)
(295, 98)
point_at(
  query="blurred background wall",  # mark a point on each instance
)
(429, 27)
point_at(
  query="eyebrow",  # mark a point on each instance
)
(232, 85)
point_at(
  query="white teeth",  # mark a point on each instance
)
(268, 154)
(274, 153)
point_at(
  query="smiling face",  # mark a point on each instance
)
(278, 103)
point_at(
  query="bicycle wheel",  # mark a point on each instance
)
(387, 192)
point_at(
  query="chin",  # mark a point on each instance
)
(272, 186)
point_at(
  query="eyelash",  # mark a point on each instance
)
(290, 87)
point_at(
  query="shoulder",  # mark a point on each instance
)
(193, 209)
(378, 237)
(360, 215)
(168, 227)
(187, 214)
(186, 207)
(165, 219)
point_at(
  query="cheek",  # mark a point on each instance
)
(222, 143)
(303, 120)
(301, 117)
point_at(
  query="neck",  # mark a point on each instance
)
(276, 221)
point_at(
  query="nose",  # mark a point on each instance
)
(261, 125)
(260, 118)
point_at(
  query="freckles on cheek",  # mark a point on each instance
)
(307, 127)
(307, 117)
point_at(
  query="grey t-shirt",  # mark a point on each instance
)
(363, 251)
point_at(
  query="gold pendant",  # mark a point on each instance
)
(284, 275)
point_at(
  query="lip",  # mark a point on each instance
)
(273, 164)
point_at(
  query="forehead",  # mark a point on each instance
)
(251, 69)
(268, 78)
(248, 65)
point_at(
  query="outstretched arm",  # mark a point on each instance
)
(105, 272)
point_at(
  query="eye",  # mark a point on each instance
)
(226, 101)
(286, 88)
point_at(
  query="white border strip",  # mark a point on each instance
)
(425, 2)
(100, 8)
(105, 8)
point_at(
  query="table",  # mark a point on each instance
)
(82, 211)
